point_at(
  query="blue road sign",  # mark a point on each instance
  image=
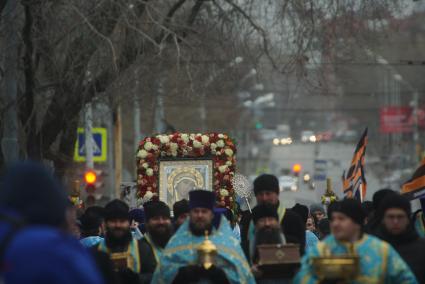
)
(99, 145)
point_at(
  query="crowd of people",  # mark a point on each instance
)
(45, 239)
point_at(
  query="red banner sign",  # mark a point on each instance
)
(396, 119)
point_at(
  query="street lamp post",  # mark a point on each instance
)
(211, 78)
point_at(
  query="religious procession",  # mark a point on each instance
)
(212, 141)
(191, 227)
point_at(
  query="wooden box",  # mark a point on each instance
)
(279, 260)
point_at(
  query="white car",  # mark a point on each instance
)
(308, 136)
(288, 183)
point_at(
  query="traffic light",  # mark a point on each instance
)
(296, 169)
(92, 181)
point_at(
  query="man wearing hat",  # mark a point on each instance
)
(124, 250)
(266, 190)
(397, 229)
(181, 212)
(379, 262)
(179, 262)
(158, 232)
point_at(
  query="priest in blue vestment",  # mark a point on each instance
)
(179, 262)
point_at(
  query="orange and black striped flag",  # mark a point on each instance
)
(354, 182)
(415, 187)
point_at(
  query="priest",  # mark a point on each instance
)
(179, 262)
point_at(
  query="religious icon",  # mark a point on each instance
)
(178, 177)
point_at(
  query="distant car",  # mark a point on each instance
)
(308, 136)
(288, 183)
(325, 136)
(283, 136)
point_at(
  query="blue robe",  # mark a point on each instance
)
(379, 262)
(181, 251)
(419, 225)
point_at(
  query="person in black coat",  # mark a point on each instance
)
(266, 190)
(397, 229)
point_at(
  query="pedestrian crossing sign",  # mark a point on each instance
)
(99, 145)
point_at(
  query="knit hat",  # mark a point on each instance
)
(395, 201)
(352, 208)
(263, 211)
(200, 198)
(92, 218)
(116, 209)
(379, 196)
(266, 182)
(180, 207)
(155, 209)
(302, 211)
(30, 189)
(317, 207)
(137, 215)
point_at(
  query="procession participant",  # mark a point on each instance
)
(158, 232)
(119, 243)
(266, 190)
(397, 229)
(317, 211)
(379, 262)
(310, 236)
(419, 219)
(323, 229)
(34, 247)
(179, 260)
(181, 212)
(375, 220)
(91, 226)
(267, 231)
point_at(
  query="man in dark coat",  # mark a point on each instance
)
(266, 190)
(123, 249)
(397, 229)
(158, 232)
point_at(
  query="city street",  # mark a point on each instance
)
(338, 157)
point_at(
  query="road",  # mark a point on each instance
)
(338, 157)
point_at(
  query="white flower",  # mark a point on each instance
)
(155, 147)
(148, 146)
(174, 153)
(197, 144)
(229, 152)
(192, 136)
(185, 152)
(185, 138)
(174, 146)
(224, 192)
(145, 165)
(205, 139)
(220, 143)
(228, 163)
(222, 169)
(148, 196)
(142, 154)
(149, 172)
(213, 146)
(221, 136)
(164, 139)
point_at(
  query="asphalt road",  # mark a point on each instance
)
(338, 157)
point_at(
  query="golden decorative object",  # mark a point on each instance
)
(329, 195)
(206, 252)
(337, 267)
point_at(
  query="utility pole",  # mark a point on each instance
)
(159, 109)
(118, 150)
(88, 126)
(9, 142)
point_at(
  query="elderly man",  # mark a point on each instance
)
(379, 262)
(397, 229)
(179, 262)
(266, 189)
